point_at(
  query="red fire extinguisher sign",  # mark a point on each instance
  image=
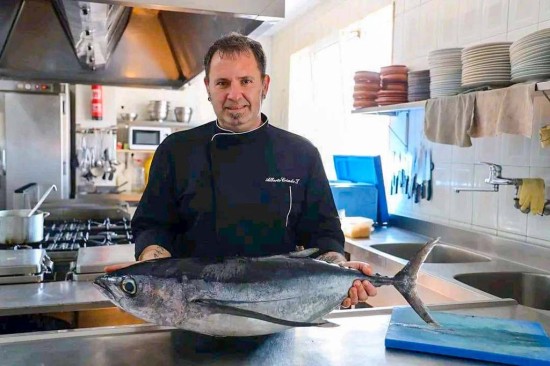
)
(97, 102)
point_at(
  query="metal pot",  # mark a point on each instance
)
(17, 228)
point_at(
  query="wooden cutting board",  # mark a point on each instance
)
(508, 341)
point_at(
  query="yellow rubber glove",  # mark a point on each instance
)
(537, 196)
(525, 195)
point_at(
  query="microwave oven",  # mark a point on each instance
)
(146, 138)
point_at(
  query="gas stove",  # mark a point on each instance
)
(62, 239)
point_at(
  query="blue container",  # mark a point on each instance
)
(365, 187)
(358, 199)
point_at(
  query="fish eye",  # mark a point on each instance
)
(129, 286)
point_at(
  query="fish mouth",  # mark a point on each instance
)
(104, 282)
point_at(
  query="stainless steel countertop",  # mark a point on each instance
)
(440, 276)
(359, 340)
(47, 297)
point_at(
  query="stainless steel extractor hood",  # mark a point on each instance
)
(113, 42)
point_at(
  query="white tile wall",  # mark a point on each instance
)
(544, 11)
(523, 13)
(462, 23)
(469, 21)
(494, 18)
(447, 23)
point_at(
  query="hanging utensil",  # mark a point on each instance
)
(31, 212)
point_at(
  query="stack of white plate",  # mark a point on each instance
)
(419, 85)
(530, 57)
(445, 72)
(486, 64)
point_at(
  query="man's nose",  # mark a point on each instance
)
(235, 91)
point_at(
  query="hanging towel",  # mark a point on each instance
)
(531, 195)
(507, 110)
(448, 119)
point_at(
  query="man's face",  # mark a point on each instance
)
(236, 88)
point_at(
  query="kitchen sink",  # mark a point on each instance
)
(439, 254)
(529, 289)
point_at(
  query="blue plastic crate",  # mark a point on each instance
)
(362, 171)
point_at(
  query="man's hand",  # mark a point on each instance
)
(359, 291)
(150, 252)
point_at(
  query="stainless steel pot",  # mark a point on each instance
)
(17, 228)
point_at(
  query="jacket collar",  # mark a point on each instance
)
(251, 135)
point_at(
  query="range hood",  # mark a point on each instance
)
(129, 43)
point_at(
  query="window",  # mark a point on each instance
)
(321, 89)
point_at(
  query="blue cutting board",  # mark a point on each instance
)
(514, 342)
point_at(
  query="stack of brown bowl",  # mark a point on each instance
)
(393, 82)
(365, 91)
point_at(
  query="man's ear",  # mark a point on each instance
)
(265, 85)
(207, 87)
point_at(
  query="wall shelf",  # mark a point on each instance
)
(392, 110)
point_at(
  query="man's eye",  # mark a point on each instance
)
(247, 81)
(222, 83)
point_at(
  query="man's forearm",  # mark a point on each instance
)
(154, 252)
(332, 257)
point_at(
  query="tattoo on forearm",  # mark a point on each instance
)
(332, 257)
(159, 253)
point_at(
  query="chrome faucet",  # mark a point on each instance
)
(495, 179)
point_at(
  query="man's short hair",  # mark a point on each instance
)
(232, 44)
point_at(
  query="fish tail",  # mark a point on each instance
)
(405, 281)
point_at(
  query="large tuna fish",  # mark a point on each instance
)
(246, 296)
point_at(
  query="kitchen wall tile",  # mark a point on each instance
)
(460, 225)
(519, 33)
(539, 226)
(441, 153)
(510, 219)
(463, 155)
(494, 15)
(515, 150)
(512, 236)
(487, 149)
(498, 38)
(461, 203)
(485, 204)
(544, 25)
(398, 37)
(485, 230)
(544, 11)
(428, 27)
(447, 23)
(439, 205)
(542, 243)
(399, 6)
(540, 157)
(469, 21)
(410, 4)
(418, 63)
(522, 13)
(411, 38)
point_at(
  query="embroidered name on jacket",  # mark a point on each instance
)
(282, 180)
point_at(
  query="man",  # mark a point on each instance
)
(238, 186)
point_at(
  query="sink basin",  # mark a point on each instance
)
(439, 254)
(529, 289)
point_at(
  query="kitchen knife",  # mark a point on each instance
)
(429, 172)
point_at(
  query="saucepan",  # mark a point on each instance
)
(16, 227)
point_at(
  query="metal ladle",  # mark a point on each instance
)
(41, 200)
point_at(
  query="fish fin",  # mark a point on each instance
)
(221, 307)
(411, 268)
(303, 253)
(406, 281)
(418, 306)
